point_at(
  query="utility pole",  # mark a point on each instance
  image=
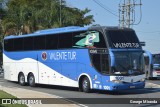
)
(127, 13)
(121, 14)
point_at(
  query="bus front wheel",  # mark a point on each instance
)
(31, 80)
(85, 85)
(21, 79)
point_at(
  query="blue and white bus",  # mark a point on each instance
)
(152, 65)
(97, 57)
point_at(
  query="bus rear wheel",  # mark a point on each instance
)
(31, 80)
(21, 79)
(85, 85)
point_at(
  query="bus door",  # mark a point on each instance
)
(100, 62)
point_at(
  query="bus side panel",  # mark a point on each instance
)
(62, 70)
(27, 66)
(47, 75)
(14, 63)
(69, 71)
(9, 68)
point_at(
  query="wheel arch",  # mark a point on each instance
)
(82, 76)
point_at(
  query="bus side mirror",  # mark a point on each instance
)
(143, 51)
(143, 43)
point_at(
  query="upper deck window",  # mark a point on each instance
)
(123, 39)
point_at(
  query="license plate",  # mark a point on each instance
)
(132, 87)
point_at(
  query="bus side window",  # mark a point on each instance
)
(28, 43)
(39, 42)
(101, 43)
(78, 36)
(52, 41)
(101, 62)
(18, 44)
(89, 38)
(65, 41)
(8, 45)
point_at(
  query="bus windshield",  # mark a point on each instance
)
(156, 59)
(128, 63)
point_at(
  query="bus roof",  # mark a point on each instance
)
(50, 31)
(64, 30)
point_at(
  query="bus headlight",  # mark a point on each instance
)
(142, 80)
(116, 81)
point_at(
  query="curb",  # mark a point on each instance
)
(18, 92)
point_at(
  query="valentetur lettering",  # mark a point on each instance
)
(62, 56)
(126, 45)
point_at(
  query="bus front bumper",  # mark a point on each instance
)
(126, 86)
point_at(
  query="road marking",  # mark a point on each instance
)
(152, 84)
(82, 105)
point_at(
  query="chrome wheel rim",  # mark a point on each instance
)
(22, 79)
(31, 79)
(85, 84)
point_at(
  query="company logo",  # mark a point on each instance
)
(44, 55)
(90, 40)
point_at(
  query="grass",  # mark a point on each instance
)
(4, 95)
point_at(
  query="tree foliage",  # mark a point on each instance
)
(26, 16)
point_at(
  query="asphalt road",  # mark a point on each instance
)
(66, 92)
(155, 81)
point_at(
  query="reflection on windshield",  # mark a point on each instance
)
(128, 63)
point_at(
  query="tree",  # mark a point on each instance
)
(26, 16)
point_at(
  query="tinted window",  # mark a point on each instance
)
(18, 44)
(39, 42)
(100, 62)
(77, 36)
(123, 39)
(156, 59)
(28, 43)
(101, 43)
(51, 41)
(8, 45)
(88, 39)
(65, 40)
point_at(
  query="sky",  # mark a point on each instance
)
(149, 28)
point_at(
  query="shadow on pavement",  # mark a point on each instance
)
(123, 92)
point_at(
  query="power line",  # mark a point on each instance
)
(104, 7)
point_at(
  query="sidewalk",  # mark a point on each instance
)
(25, 93)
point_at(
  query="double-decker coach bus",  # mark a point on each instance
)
(152, 66)
(97, 57)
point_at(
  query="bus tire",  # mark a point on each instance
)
(85, 84)
(21, 79)
(31, 80)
